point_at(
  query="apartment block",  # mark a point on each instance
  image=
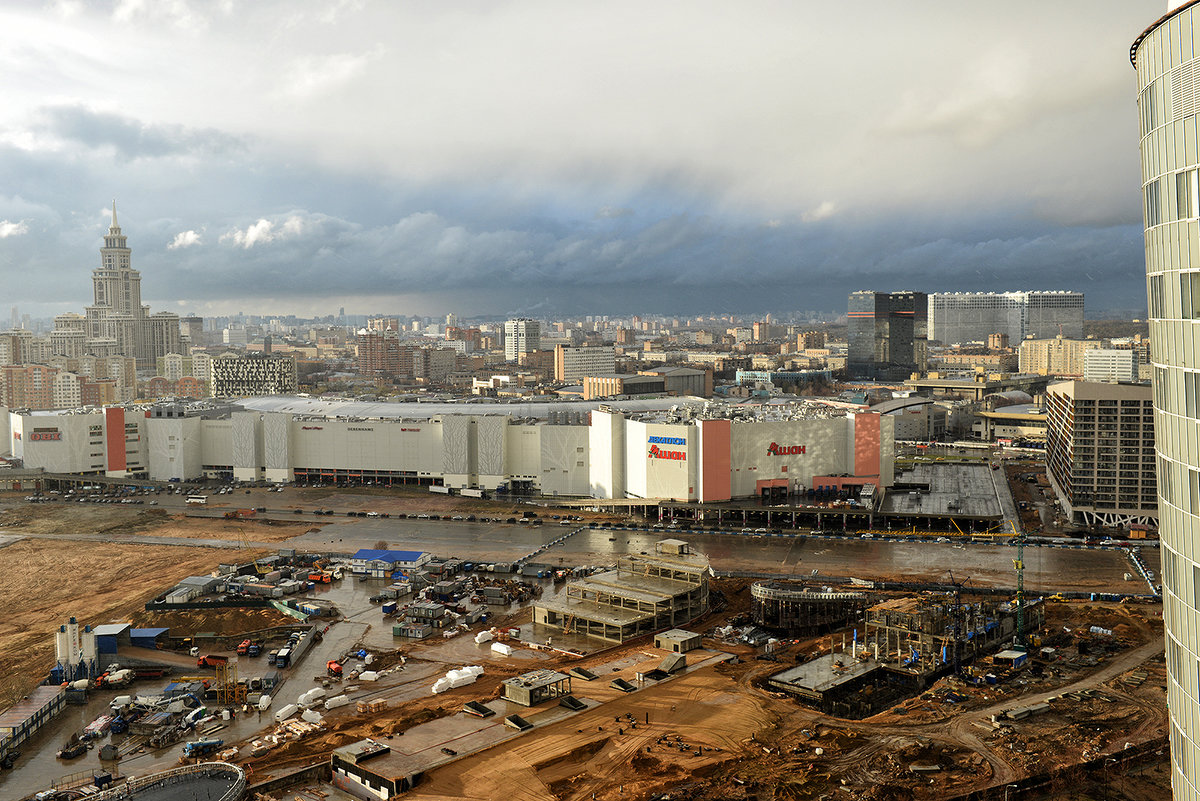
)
(1100, 452)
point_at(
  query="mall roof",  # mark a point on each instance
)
(317, 407)
(896, 404)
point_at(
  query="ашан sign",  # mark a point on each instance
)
(658, 453)
(785, 450)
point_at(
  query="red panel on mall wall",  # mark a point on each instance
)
(114, 437)
(715, 460)
(866, 444)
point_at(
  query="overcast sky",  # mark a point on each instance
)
(424, 156)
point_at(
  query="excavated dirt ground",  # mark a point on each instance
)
(47, 582)
(225, 621)
(177, 525)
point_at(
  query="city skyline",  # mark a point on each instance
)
(540, 159)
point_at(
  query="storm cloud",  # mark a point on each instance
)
(704, 156)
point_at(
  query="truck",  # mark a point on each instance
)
(73, 750)
(150, 672)
(333, 668)
(243, 647)
(321, 577)
(283, 658)
(201, 747)
(211, 660)
(272, 657)
(254, 650)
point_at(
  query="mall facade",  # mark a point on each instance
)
(601, 451)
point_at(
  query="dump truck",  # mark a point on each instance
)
(333, 668)
(211, 660)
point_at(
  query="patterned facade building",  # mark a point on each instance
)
(253, 374)
(961, 317)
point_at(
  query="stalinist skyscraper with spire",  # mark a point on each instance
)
(117, 322)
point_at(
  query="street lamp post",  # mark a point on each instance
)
(1107, 762)
(1008, 787)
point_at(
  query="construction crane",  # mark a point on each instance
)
(1019, 566)
(956, 616)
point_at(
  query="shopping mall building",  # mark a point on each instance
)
(636, 449)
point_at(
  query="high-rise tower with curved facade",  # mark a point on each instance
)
(1166, 58)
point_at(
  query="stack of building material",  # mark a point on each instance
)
(368, 675)
(295, 729)
(378, 705)
(484, 636)
(312, 716)
(311, 697)
(502, 649)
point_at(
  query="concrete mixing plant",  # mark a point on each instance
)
(75, 653)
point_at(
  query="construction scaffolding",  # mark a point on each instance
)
(799, 610)
(924, 634)
(229, 690)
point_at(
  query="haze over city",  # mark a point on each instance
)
(558, 158)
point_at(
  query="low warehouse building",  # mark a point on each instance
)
(677, 641)
(370, 770)
(25, 717)
(531, 689)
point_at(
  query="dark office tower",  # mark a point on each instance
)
(1167, 60)
(886, 334)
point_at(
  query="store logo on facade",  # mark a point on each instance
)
(667, 441)
(310, 428)
(38, 436)
(657, 453)
(785, 450)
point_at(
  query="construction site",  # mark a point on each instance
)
(797, 609)
(669, 684)
(643, 594)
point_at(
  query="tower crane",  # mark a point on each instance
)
(1019, 566)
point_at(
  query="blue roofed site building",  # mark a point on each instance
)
(385, 563)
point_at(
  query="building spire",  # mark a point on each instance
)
(114, 219)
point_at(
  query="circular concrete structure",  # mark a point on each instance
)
(796, 609)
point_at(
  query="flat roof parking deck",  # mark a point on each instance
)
(954, 490)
